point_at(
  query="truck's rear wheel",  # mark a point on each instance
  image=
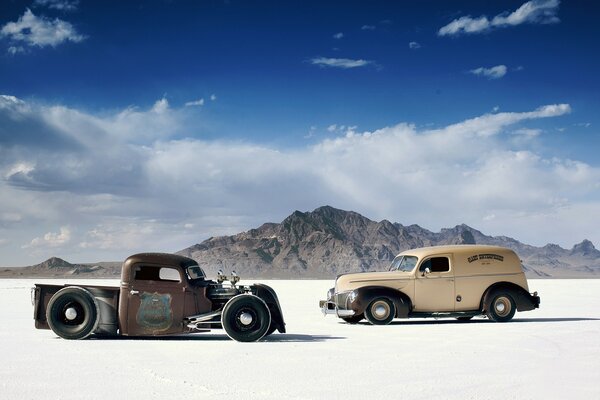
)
(246, 318)
(380, 311)
(501, 307)
(72, 313)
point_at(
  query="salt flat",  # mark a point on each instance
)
(550, 353)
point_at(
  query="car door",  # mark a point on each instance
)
(156, 301)
(434, 285)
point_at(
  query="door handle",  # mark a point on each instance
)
(132, 292)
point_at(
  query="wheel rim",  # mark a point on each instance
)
(245, 319)
(502, 306)
(380, 310)
(72, 313)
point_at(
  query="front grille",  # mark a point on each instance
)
(341, 299)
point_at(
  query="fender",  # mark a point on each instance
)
(368, 293)
(268, 295)
(522, 298)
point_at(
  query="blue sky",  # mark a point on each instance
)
(130, 126)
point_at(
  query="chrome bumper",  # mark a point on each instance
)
(328, 307)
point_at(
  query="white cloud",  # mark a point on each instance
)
(51, 239)
(368, 27)
(496, 109)
(213, 97)
(331, 128)
(128, 190)
(414, 45)
(62, 5)
(199, 102)
(15, 50)
(338, 35)
(496, 72)
(344, 63)
(533, 12)
(40, 31)
(528, 132)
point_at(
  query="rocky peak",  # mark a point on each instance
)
(54, 263)
(585, 248)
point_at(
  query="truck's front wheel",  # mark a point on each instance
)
(246, 318)
(72, 313)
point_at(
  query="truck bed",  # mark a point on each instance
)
(106, 296)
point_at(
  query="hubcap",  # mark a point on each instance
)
(246, 318)
(70, 313)
(502, 306)
(380, 311)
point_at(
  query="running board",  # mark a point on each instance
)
(449, 314)
(195, 320)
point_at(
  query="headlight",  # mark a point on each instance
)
(330, 294)
(352, 296)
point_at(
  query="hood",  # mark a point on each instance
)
(352, 281)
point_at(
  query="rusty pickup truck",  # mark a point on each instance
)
(160, 294)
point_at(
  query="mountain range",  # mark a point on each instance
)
(327, 242)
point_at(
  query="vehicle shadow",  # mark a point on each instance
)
(275, 337)
(480, 321)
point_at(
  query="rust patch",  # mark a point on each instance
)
(155, 313)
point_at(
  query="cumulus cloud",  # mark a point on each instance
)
(414, 45)
(40, 31)
(213, 97)
(532, 12)
(51, 239)
(368, 27)
(338, 35)
(127, 190)
(199, 102)
(61, 5)
(344, 63)
(496, 72)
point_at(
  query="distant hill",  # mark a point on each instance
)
(55, 267)
(328, 241)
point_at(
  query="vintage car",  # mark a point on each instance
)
(160, 294)
(459, 281)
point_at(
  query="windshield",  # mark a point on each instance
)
(195, 272)
(403, 263)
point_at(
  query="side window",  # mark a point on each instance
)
(153, 273)
(436, 264)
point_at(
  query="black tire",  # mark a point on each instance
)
(380, 311)
(501, 307)
(355, 319)
(72, 313)
(464, 319)
(256, 314)
(272, 329)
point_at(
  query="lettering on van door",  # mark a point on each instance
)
(484, 257)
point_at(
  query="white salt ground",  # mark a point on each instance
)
(550, 353)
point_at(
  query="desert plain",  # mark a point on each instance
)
(549, 353)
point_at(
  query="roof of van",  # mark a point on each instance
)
(458, 248)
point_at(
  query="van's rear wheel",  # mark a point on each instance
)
(501, 307)
(380, 311)
(72, 313)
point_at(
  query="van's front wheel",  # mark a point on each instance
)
(501, 307)
(380, 311)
